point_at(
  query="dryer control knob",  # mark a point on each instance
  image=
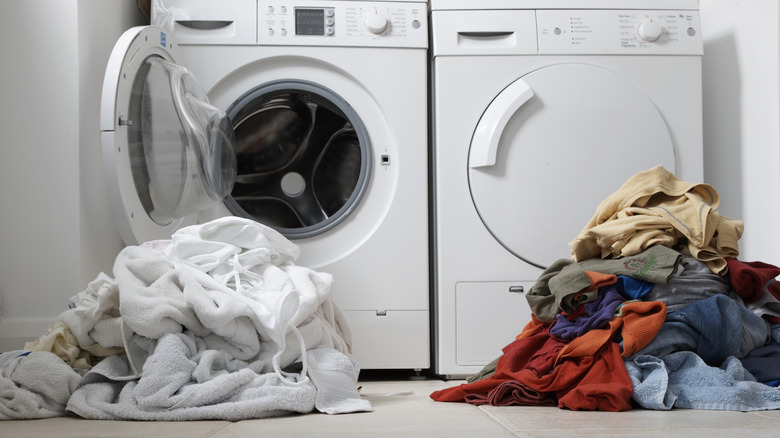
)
(376, 22)
(649, 30)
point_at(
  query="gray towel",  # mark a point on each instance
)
(167, 390)
(34, 385)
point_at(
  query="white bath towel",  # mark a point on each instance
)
(34, 384)
(94, 314)
(167, 391)
(210, 321)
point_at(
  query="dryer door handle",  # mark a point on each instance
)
(484, 144)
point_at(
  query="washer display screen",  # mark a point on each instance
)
(310, 22)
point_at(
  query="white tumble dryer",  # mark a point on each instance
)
(317, 110)
(541, 109)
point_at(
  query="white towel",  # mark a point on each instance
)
(34, 384)
(94, 314)
(167, 391)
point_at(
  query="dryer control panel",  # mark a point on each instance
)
(566, 32)
(619, 32)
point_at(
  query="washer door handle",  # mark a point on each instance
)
(484, 144)
(204, 24)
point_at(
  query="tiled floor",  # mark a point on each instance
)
(402, 408)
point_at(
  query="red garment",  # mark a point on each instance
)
(605, 387)
(749, 278)
(530, 360)
(512, 393)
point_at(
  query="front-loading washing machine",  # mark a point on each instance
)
(310, 117)
(541, 109)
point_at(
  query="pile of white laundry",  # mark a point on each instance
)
(216, 323)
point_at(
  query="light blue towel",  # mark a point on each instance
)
(684, 380)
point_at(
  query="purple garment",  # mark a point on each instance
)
(596, 314)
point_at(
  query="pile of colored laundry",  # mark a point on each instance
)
(653, 310)
(216, 323)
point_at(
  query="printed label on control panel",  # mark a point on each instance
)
(619, 32)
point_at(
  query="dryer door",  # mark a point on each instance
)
(168, 153)
(548, 135)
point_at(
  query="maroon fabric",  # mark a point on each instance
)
(749, 278)
(512, 393)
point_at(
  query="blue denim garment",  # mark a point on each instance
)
(714, 328)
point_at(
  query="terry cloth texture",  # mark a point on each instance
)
(217, 323)
(34, 384)
(684, 380)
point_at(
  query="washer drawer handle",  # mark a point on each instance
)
(484, 144)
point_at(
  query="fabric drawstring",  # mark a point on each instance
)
(285, 377)
(255, 281)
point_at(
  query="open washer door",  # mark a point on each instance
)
(545, 137)
(167, 152)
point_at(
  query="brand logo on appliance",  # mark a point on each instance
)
(162, 39)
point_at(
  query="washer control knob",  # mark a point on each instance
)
(376, 22)
(649, 30)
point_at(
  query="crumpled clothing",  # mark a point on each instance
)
(565, 284)
(93, 316)
(34, 384)
(655, 208)
(60, 340)
(184, 380)
(749, 279)
(595, 314)
(714, 328)
(638, 322)
(596, 382)
(764, 362)
(512, 393)
(683, 380)
(240, 330)
(695, 282)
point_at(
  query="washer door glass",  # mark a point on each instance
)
(554, 144)
(168, 153)
(303, 157)
(181, 146)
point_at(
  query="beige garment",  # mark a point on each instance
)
(655, 208)
(60, 340)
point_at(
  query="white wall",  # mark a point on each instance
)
(741, 114)
(55, 231)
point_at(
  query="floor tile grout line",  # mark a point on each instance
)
(502, 423)
(217, 432)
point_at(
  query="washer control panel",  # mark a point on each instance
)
(348, 23)
(619, 32)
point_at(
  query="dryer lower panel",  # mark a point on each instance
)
(393, 339)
